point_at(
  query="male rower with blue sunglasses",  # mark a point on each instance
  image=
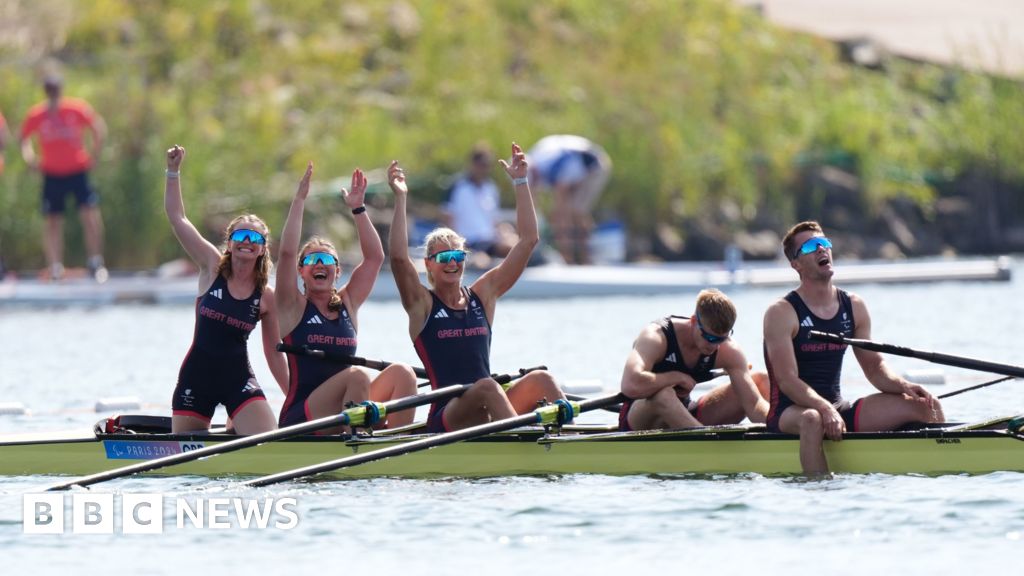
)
(804, 374)
(673, 355)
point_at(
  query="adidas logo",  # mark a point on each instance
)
(218, 293)
(441, 314)
(671, 358)
(807, 322)
(314, 320)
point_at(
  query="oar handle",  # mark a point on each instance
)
(342, 358)
(506, 378)
(936, 357)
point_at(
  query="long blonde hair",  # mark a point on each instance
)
(335, 304)
(263, 262)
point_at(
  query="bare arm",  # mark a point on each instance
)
(291, 302)
(734, 362)
(638, 381)
(495, 282)
(269, 330)
(98, 128)
(873, 364)
(415, 297)
(202, 252)
(28, 153)
(364, 275)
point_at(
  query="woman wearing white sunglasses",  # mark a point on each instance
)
(233, 297)
(450, 324)
(325, 318)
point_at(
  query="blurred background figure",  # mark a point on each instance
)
(65, 163)
(3, 140)
(473, 208)
(576, 171)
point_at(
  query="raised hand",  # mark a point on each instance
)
(519, 166)
(175, 154)
(355, 198)
(303, 190)
(396, 178)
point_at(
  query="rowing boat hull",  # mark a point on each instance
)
(930, 452)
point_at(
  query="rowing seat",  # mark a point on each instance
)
(141, 424)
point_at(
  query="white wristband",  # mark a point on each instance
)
(518, 181)
(172, 174)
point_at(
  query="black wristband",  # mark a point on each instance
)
(360, 210)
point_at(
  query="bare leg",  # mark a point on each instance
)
(350, 385)
(807, 423)
(92, 229)
(582, 226)
(561, 224)
(890, 411)
(53, 244)
(483, 402)
(395, 381)
(662, 410)
(185, 424)
(254, 417)
(530, 389)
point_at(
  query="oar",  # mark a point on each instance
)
(936, 357)
(342, 358)
(362, 415)
(560, 412)
(380, 364)
(976, 386)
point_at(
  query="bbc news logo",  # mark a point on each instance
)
(150, 513)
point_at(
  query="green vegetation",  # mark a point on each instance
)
(695, 100)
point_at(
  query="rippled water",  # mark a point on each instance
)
(59, 362)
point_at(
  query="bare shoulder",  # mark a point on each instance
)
(780, 318)
(731, 357)
(779, 310)
(860, 307)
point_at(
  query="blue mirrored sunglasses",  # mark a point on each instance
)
(812, 246)
(242, 234)
(446, 256)
(711, 338)
(325, 258)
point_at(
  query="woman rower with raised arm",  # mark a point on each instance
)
(324, 318)
(233, 298)
(450, 324)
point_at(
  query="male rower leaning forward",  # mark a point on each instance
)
(450, 324)
(804, 374)
(674, 354)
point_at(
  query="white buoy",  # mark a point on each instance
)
(12, 409)
(118, 403)
(930, 376)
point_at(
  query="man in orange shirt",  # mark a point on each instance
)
(65, 164)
